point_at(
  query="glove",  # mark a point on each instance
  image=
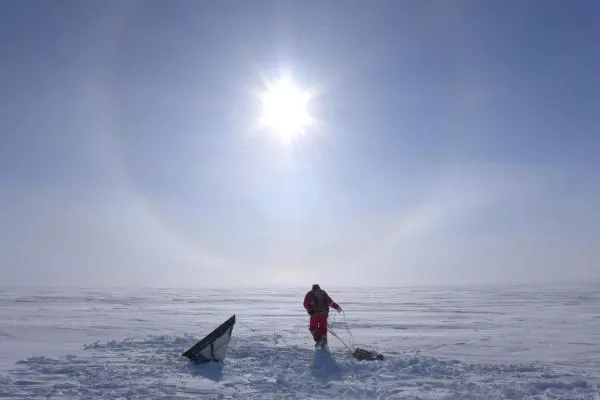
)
(310, 311)
(339, 309)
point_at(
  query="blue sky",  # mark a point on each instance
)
(457, 142)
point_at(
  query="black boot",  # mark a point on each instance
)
(324, 342)
(318, 343)
(321, 342)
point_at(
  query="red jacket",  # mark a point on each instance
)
(317, 303)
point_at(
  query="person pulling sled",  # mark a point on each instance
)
(316, 304)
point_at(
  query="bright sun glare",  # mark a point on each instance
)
(285, 109)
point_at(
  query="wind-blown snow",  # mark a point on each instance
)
(460, 343)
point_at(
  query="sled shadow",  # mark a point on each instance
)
(212, 371)
(325, 368)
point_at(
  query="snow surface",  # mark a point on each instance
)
(439, 343)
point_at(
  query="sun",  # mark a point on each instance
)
(285, 109)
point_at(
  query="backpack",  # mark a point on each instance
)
(319, 300)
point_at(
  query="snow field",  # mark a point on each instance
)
(439, 343)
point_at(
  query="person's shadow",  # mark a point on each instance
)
(212, 370)
(324, 367)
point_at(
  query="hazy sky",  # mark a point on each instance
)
(457, 141)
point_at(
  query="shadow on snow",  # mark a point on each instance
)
(324, 367)
(212, 371)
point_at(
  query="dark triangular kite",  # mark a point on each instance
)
(214, 346)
